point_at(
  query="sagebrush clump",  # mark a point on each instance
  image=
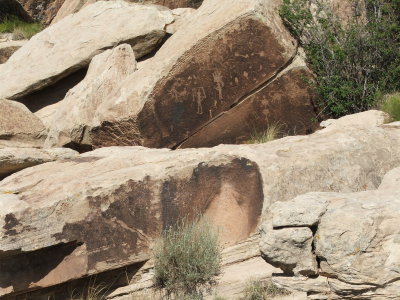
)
(355, 63)
(261, 290)
(187, 259)
(391, 105)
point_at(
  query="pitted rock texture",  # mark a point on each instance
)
(19, 127)
(43, 60)
(355, 241)
(122, 200)
(224, 55)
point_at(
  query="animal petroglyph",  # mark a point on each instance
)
(198, 96)
(220, 84)
(178, 94)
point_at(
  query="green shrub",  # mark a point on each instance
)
(259, 290)
(187, 259)
(355, 63)
(272, 132)
(20, 29)
(391, 105)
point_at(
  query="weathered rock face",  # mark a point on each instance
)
(355, 239)
(124, 196)
(15, 159)
(42, 10)
(286, 100)
(8, 48)
(43, 60)
(209, 65)
(73, 6)
(19, 127)
(67, 119)
(122, 199)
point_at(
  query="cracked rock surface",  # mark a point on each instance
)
(356, 240)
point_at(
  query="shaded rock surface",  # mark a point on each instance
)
(226, 54)
(42, 10)
(124, 196)
(19, 127)
(43, 60)
(355, 239)
(13, 8)
(15, 159)
(8, 48)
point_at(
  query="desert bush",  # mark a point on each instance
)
(92, 291)
(354, 63)
(259, 290)
(391, 105)
(272, 132)
(187, 259)
(20, 29)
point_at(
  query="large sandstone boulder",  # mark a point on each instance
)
(67, 119)
(73, 6)
(68, 219)
(356, 240)
(19, 127)
(44, 60)
(101, 210)
(16, 159)
(227, 55)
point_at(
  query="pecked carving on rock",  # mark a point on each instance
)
(355, 241)
(224, 55)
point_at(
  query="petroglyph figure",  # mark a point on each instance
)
(198, 96)
(178, 94)
(220, 84)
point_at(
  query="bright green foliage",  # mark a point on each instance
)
(259, 290)
(187, 259)
(20, 29)
(355, 63)
(391, 105)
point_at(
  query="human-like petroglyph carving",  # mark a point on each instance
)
(220, 84)
(178, 94)
(198, 96)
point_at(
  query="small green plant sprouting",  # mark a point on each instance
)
(187, 259)
(20, 29)
(259, 290)
(272, 132)
(391, 106)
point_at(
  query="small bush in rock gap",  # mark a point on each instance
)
(259, 290)
(391, 105)
(187, 259)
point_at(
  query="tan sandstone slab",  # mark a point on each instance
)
(73, 6)
(355, 239)
(8, 48)
(44, 60)
(19, 127)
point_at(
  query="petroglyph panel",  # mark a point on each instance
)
(209, 79)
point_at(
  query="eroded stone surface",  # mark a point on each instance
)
(8, 48)
(43, 61)
(19, 127)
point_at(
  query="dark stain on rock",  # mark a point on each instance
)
(11, 222)
(87, 159)
(209, 79)
(119, 226)
(24, 269)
